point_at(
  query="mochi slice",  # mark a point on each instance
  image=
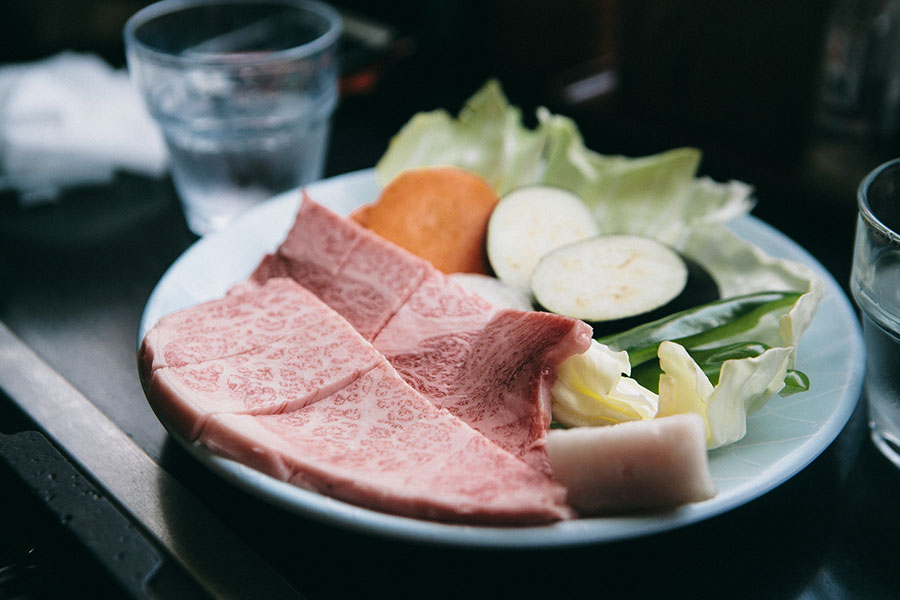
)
(633, 466)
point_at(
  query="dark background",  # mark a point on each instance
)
(743, 81)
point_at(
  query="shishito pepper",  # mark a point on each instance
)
(703, 325)
(701, 331)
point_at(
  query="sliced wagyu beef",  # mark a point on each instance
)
(271, 376)
(380, 444)
(492, 368)
(259, 350)
(361, 276)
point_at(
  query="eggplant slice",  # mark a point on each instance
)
(612, 281)
(529, 222)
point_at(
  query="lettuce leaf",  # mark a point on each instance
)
(488, 137)
(659, 195)
(739, 267)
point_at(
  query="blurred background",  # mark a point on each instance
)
(800, 98)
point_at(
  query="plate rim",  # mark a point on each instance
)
(572, 533)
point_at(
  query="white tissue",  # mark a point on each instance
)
(71, 120)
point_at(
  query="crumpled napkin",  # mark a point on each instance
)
(71, 119)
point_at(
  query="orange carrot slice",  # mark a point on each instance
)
(361, 214)
(437, 213)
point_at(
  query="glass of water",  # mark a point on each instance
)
(243, 90)
(875, 285)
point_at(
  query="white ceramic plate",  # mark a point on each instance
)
(783, 437)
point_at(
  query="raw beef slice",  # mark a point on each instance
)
(380, 444)
(313, 403)
(349, 268)
(491, 368)
(243, 320)
(259, 350)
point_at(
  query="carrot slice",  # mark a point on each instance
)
(361, 214)
(437, 213)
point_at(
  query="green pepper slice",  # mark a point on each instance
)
(699, 326)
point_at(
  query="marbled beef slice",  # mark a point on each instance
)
(444, 341)
(492, 368)
(260, 349)
(378, 443)
(349, 268)
(320, 407)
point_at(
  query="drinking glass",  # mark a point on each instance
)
(875, 285)
(243, 91)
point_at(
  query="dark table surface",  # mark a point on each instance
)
(75, 276)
